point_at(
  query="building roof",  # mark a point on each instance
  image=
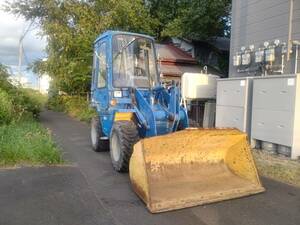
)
(175, 62)
(168, 53)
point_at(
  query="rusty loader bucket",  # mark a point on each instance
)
(193, 167)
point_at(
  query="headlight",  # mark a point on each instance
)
(118, 94)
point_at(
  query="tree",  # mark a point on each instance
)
(71, 27)
(3, 71)
(162, 13)
(4, 74)
(191, 19)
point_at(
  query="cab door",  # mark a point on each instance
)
(99, 84)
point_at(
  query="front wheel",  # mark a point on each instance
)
(123, 136)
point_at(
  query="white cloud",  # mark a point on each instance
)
(11, 29)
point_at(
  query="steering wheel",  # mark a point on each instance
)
(139, 72)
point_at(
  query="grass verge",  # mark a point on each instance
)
(278, 168)
(27, 143)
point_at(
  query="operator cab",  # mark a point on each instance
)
(134, 61)
(124, 60)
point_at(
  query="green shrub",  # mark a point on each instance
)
(56, 103)
(75, 106)
(6, 108)
(24, 101)
(78, 107)
(32, 101)
(4, 84)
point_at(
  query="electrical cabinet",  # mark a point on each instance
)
(234, 96)
(198, 86)
(276, 111)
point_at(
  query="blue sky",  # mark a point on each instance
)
(11, 29)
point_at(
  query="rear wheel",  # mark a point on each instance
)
(193, 123)
(96, 135)
(124, 135)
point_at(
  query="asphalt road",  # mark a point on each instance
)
(91, 192)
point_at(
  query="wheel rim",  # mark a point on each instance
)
(94, 135)
(115, 148)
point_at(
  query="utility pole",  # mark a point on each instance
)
(21, 51)
(20, 60)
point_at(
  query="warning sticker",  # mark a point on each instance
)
(291, 82)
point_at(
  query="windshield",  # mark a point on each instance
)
(134, 62)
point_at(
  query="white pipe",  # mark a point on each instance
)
(296, 58)
(289, 48)
(282, 63)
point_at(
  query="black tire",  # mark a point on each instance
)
(124, 135)
(96, 134)
(192, 124)
(180, 127)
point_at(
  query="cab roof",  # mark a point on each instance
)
(111, 33)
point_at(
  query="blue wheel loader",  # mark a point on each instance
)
(144, 126)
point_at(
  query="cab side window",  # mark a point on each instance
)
(93, 86)
(102, 65)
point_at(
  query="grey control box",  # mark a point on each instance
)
(234, 97)
(276, 111)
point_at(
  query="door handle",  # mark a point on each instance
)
(263, 92)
